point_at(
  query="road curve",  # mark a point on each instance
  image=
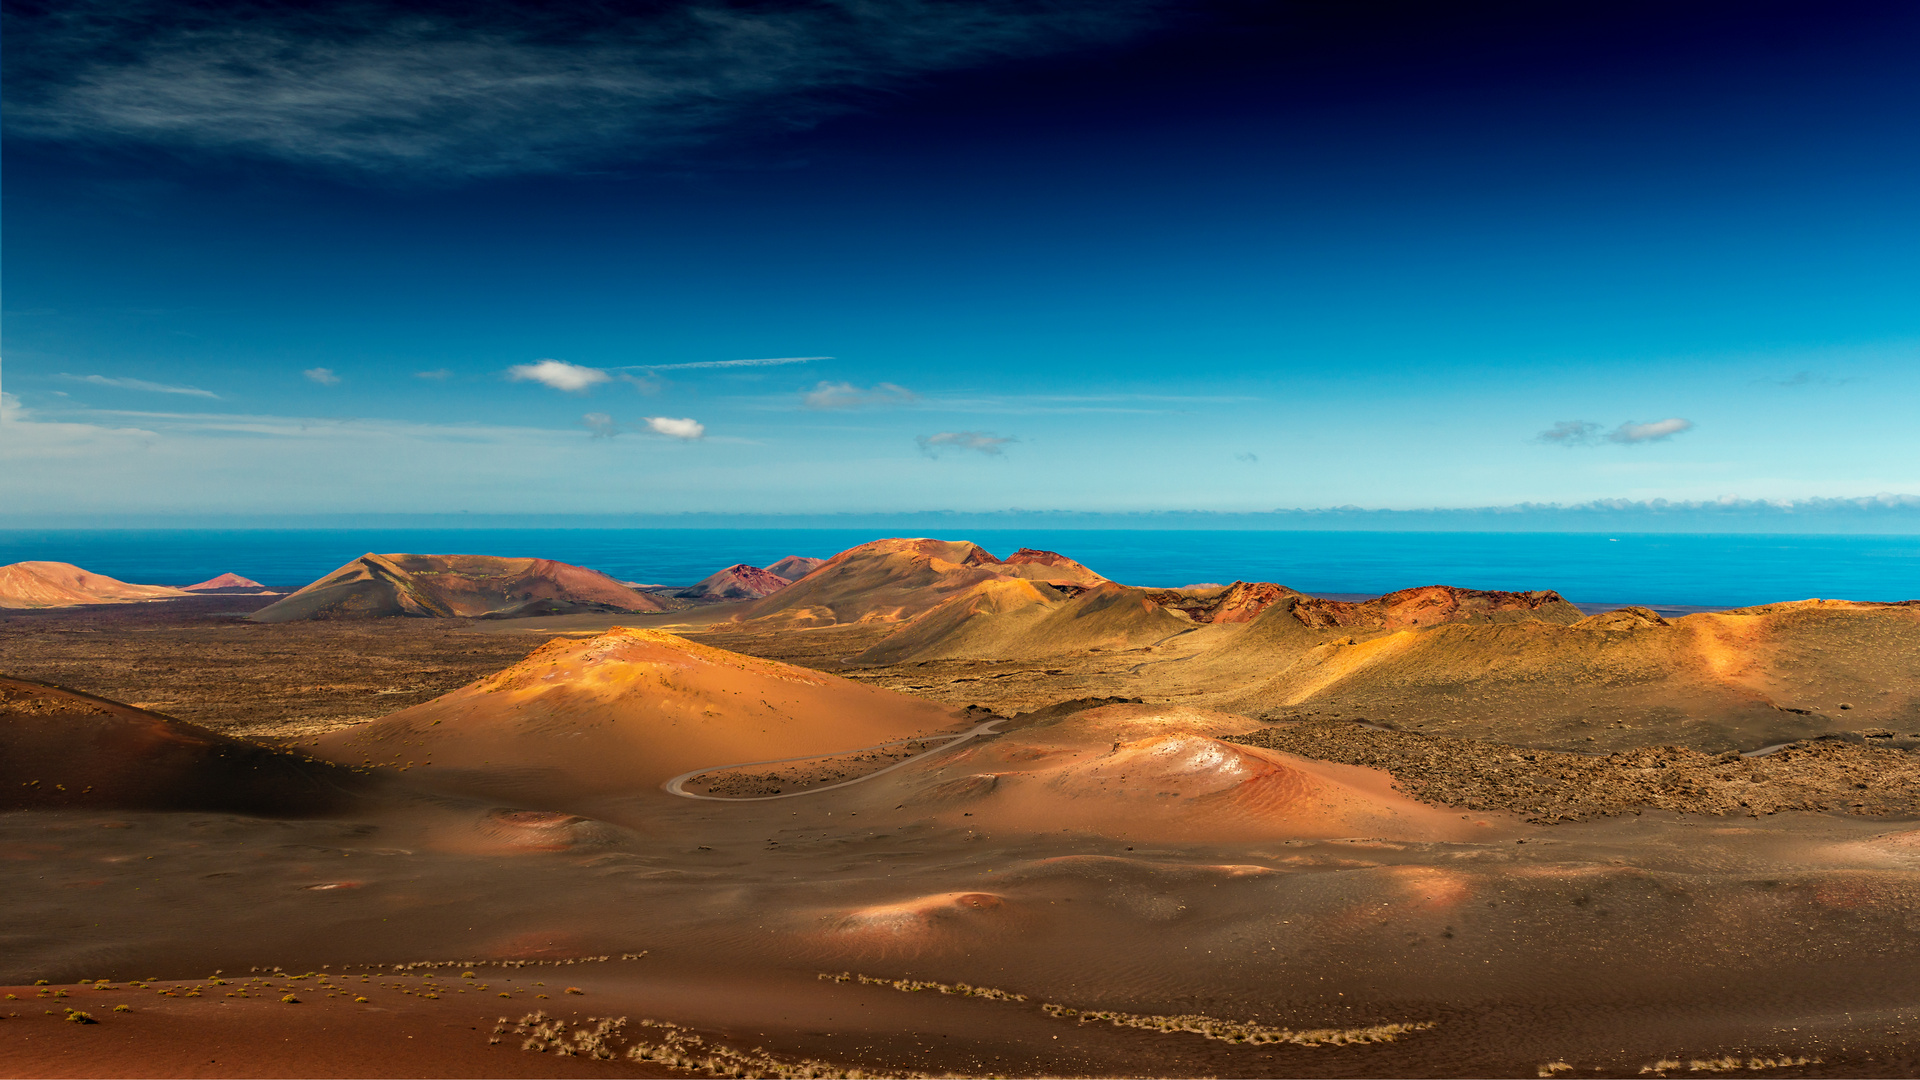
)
(677, 785)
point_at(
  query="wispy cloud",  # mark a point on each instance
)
(984, 442)
(141, 384)
(768, 362)
(1588, 433)
(684, 428)
(437, 374)
(498, 88)
(1806, 378)
(845, 395)
(559, 374)
(1571, 433)
(601, 425)
(1657, 431)
(323, 376)
(1249, 458)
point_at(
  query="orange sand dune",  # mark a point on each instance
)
(624, 712)
(58, 584)
(1157, 773)
(447, 586)
(64, 749)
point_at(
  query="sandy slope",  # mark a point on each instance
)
(624, 712)
(58, 584)
(63, 749)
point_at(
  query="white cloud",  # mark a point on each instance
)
(141, 384)
(845, 395)
(559, 374)
(984, 442)
(686, 428)
(1656, 431)
(323, 376)
(437, 374)
(500, 90)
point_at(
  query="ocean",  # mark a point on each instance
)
(1656, 569)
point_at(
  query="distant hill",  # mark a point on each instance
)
(795, 567)
(456, 586)
(736, 582)
(896, 580)
(229, 583)
(58, 584)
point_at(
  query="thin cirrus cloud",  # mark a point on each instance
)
(497, 89)
(141, 384)
(323, 376)
(845, 395)
(683, 428)
(1588, 433)
(984, 442)
(437, 374)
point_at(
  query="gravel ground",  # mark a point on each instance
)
(1547, 786)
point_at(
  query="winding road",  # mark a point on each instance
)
(677, 785)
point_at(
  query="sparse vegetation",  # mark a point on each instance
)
(1210, 1027)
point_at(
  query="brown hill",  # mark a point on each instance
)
(1235, 603)
(896, 580)
(1430, 605)
(795, 567)
(449, 586)
(225, 583)
(624, 712)
(58, 584)
(1037, 565)
(736, 582)
(1727, 680)
(883, 581)
(61, 748)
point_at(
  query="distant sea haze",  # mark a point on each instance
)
(1660, 570)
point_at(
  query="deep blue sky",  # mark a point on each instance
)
(1089, 256)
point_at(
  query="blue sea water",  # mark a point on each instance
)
(1658, 569)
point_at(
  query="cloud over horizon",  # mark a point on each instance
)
(498, 89)
(984, 442)
(1587, 433)
(845, 395)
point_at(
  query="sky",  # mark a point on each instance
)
(906, 255)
